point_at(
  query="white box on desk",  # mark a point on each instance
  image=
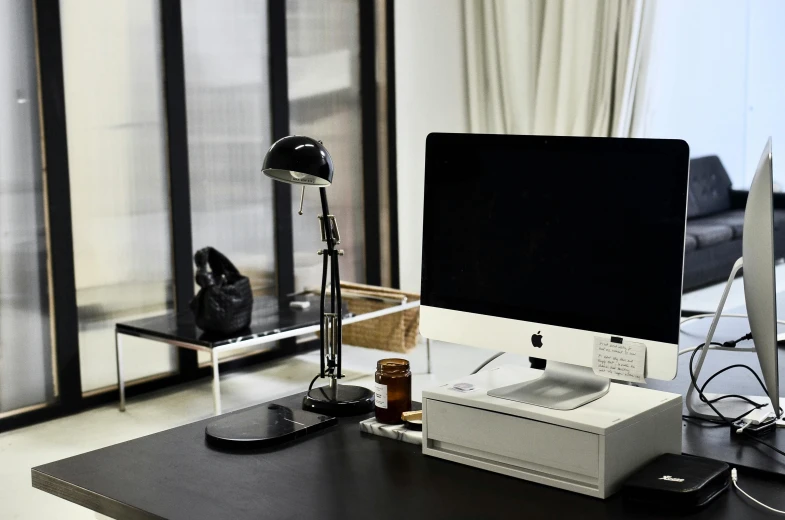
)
(589, 450)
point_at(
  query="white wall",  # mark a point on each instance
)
(430, 90)
(717, 80)
(696, 86)
(766, 86)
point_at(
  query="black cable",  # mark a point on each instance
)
(310, 387)
(486, 362)
(327, 373)
(703, 397)
(773, 448)
(741, 397)
(730, 344)
(715, 422)
(738, 366)
(711, 405)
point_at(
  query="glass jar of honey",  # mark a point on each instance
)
(393, 390)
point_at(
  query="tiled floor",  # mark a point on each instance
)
(23, 449)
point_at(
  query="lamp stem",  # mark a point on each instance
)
(336, 306)
(339, 314)
(322, 331)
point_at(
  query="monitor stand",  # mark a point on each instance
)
(562, 386)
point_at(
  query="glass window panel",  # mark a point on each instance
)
(323, 40)
(26, 357)
(119, 180)
(228, 105)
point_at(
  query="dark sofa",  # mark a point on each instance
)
(715, 222)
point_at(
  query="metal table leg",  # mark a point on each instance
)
(428, 353)
(118, 346)
(216, 383)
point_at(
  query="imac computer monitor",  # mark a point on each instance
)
(758, 264)
(539, 245)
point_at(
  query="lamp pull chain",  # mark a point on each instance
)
(302, 198)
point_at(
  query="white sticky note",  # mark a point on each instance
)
(625, 361)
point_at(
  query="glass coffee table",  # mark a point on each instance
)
(269, 323)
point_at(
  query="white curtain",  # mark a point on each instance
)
(557, 67)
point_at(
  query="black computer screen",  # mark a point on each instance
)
(585, 233)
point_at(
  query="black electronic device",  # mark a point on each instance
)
(264, 427)
(677, 483)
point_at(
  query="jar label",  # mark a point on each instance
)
(381, 395)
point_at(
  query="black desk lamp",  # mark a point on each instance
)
(304, 161)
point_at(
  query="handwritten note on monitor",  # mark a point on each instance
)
(625, 361)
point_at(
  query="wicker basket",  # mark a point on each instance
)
(395, 332)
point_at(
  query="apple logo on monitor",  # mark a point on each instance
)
(537, 340)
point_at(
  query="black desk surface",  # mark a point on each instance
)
(336, 473)
(267, 318)
(342, 473)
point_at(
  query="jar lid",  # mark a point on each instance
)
(392, 365)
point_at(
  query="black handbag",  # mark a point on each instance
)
(224, 302)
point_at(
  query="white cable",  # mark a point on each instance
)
(734, 477)
(711, 315)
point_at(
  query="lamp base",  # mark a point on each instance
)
(347, 400)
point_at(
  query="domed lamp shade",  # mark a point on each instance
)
(299, 160)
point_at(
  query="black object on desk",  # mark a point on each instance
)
(264, 426)
(338, 472)
(677, 483)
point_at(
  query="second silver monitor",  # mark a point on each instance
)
(759, 281)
